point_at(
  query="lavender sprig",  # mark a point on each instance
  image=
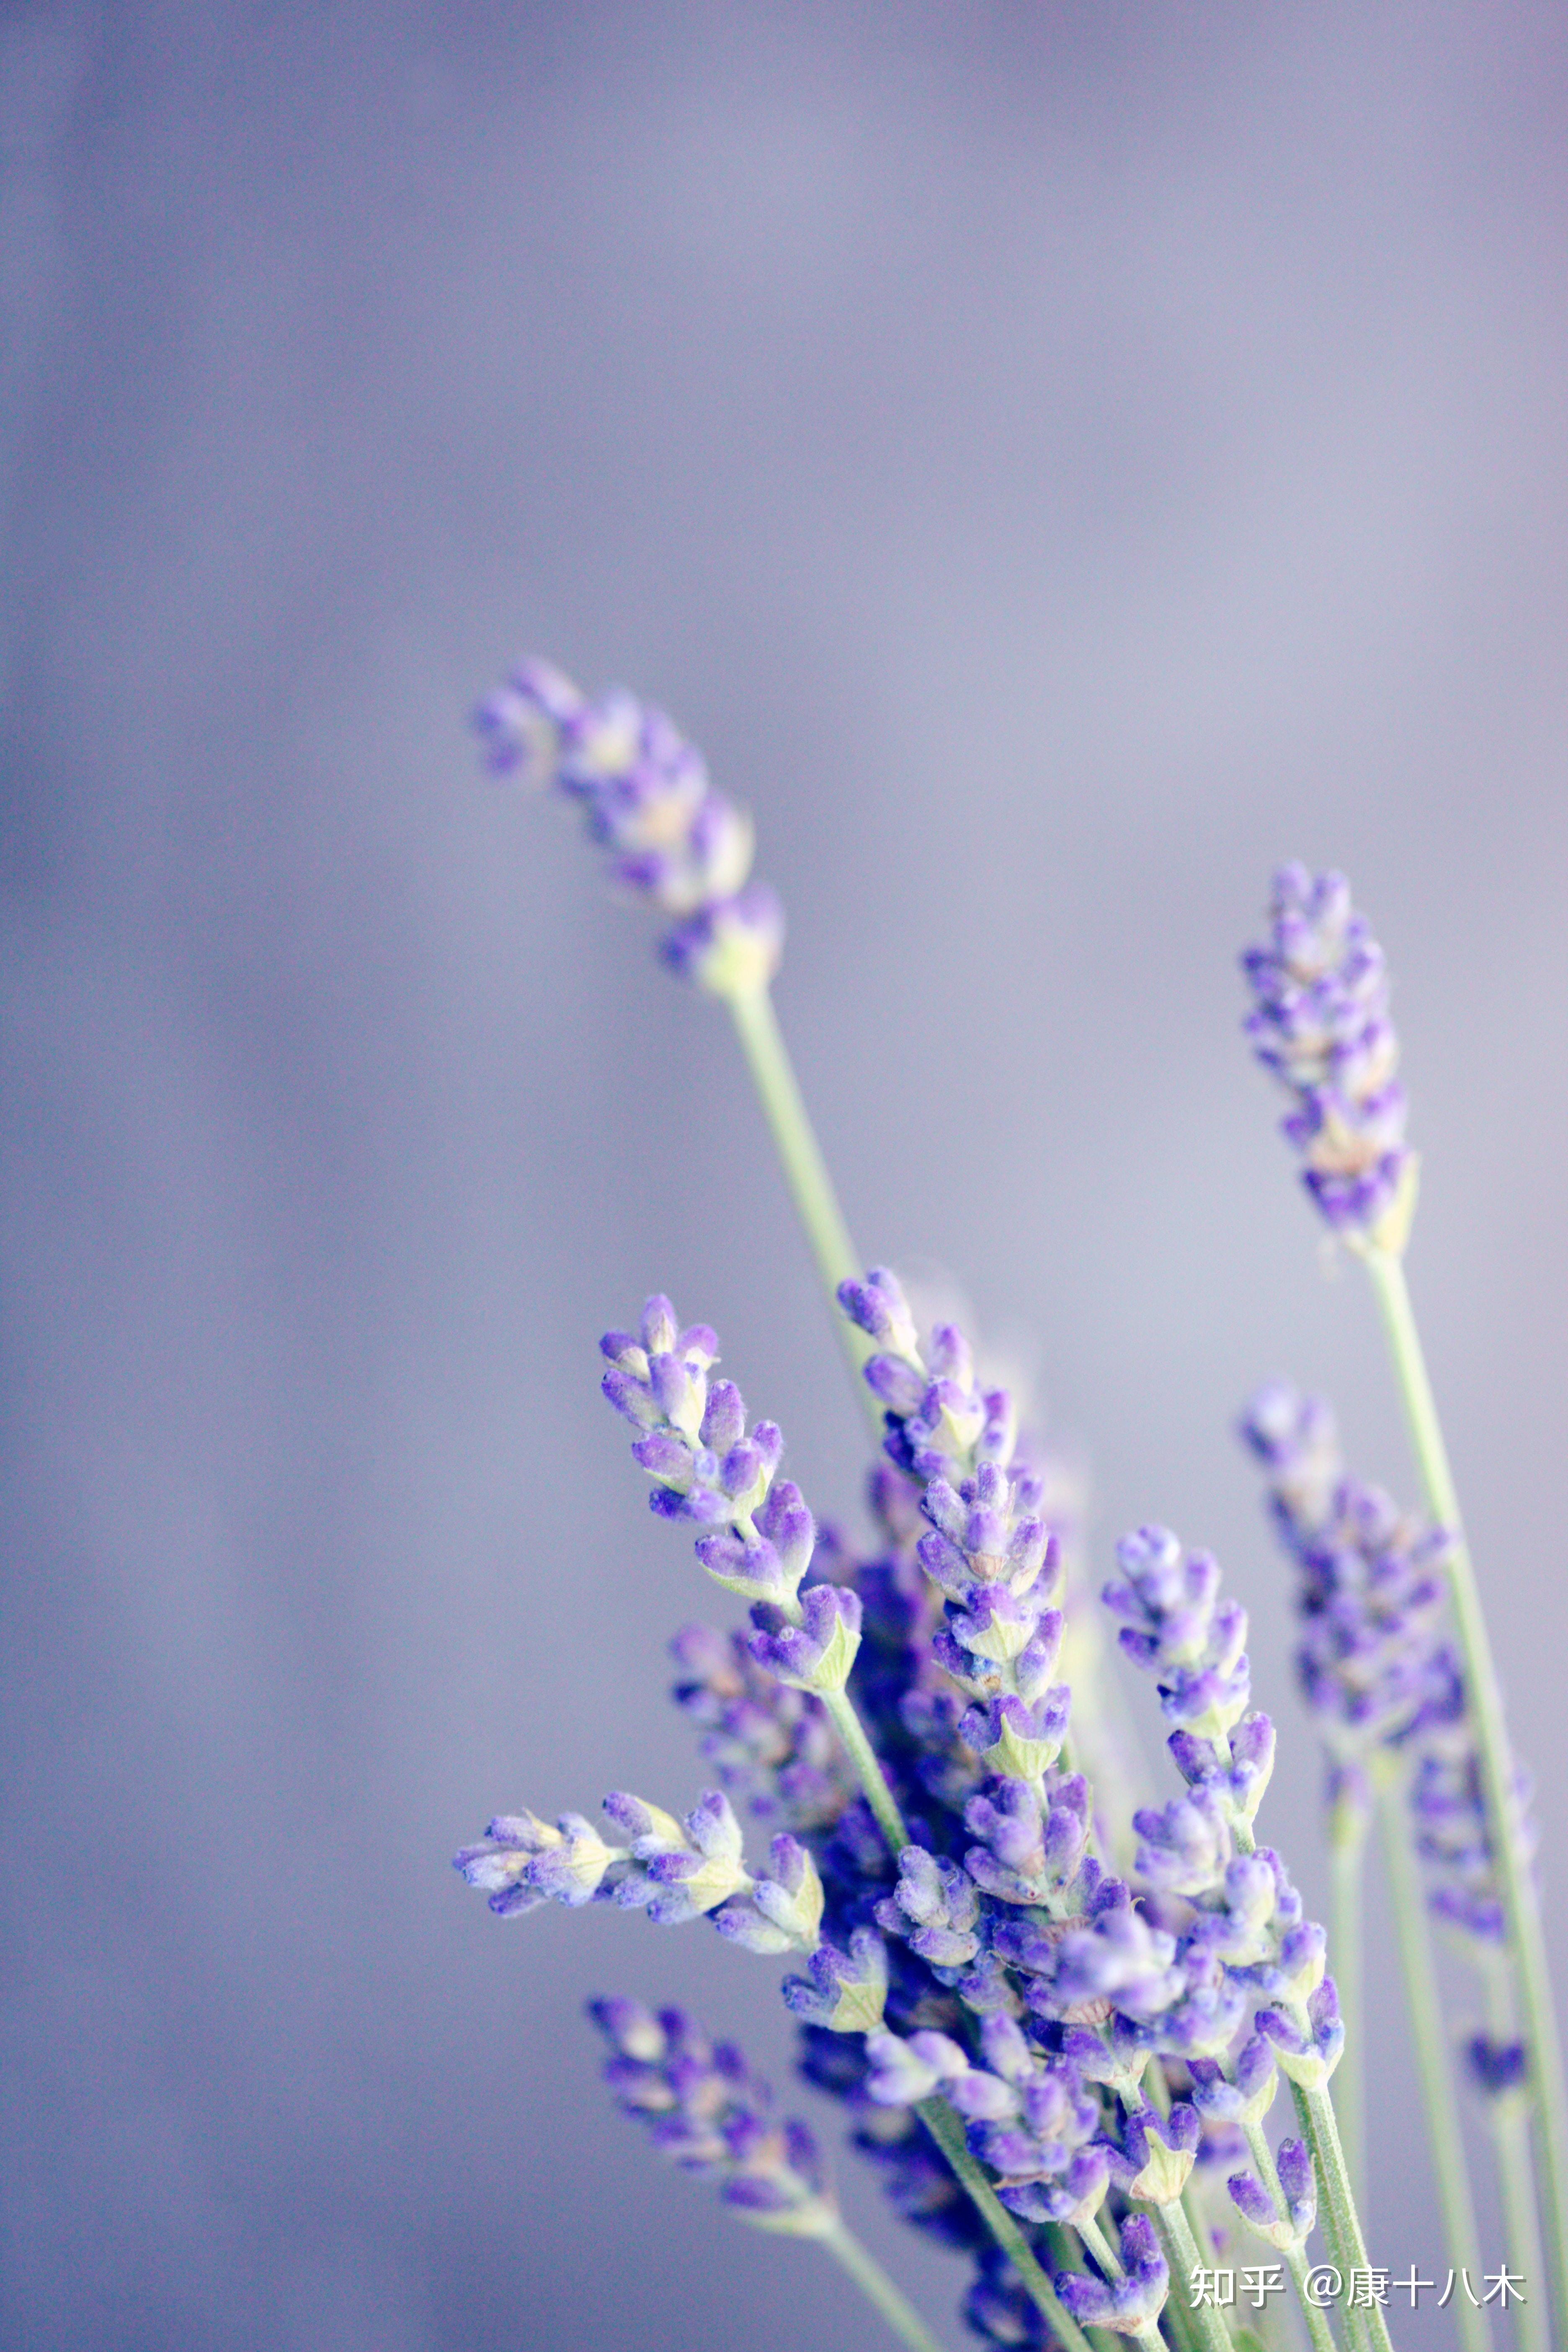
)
(678, 843)
(672, 838)
(759, 1535)
(1319, 988)
(675, 1871)
(1321, 1022)
(1242, 1937)
(1390, 1698)
(707, 2112)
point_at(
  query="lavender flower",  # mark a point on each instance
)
(988, 1548)
(707, 2112)
(1176, 1627)
(1290, 2230)
(1321, 1022)
(672, 838)
(1371, 1588)
(708, 1470)
(1374, 1662)
(771, 1746)
(673, 1869)
(1129, 2303)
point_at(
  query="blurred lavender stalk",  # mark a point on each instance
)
(1376, 1674)
(708, 2112)
(1321, 1024)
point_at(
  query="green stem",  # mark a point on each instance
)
(1542, 2046)
(1348, 1855)
(868, 1772)
(1316, 2110)
(948, 2132)
(1329, 2216)
(1444, 2125)
(878, 2289)
(806, 1170)
(1182, 2259)
(1510, 2118)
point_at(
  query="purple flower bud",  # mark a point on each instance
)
(1497, 2067)
(878, 1305)
(843, 1992)
(1131, 2304)
(1252, 2200)
(816, 1655)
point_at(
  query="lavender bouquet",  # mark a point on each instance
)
(1065, 2025)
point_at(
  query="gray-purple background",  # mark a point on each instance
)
(1057, 461)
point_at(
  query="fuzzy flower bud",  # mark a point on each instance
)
(843, 1991)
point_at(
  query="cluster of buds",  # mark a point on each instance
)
(674, 1870)
(759, 1536)
(1380, 1677)
(1321, 1022)
(707, 2112)
(1002, 1971)
(1371, 1663)
(988, 1548)
(644, 791)
(772, 1747)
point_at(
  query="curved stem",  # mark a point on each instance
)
(948, 2132)
(1444, 2125)
(1348, 1855)
(878, 2289)
(804, 1168)
(1543, 2045)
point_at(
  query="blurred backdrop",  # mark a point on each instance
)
(1057, 461)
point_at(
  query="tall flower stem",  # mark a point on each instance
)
(1315, 2111)
(804, 1168)
(1543, 2045)
(1444, 2125)
(948, 2132)
(878, 2289)
(1182, 2257)
(1348, 1857)
(1510, 2117)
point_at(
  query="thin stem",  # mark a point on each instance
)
(806, 1170)
(1542, 2046)
(1348, 1854)
(1330, 2217)
(1182, 2259)
(868, 1771)
(1316, 2110)
(1510, 2118)
(1317, 2328)
(877, 2288)
(948, 2132)
(1444, 2125)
